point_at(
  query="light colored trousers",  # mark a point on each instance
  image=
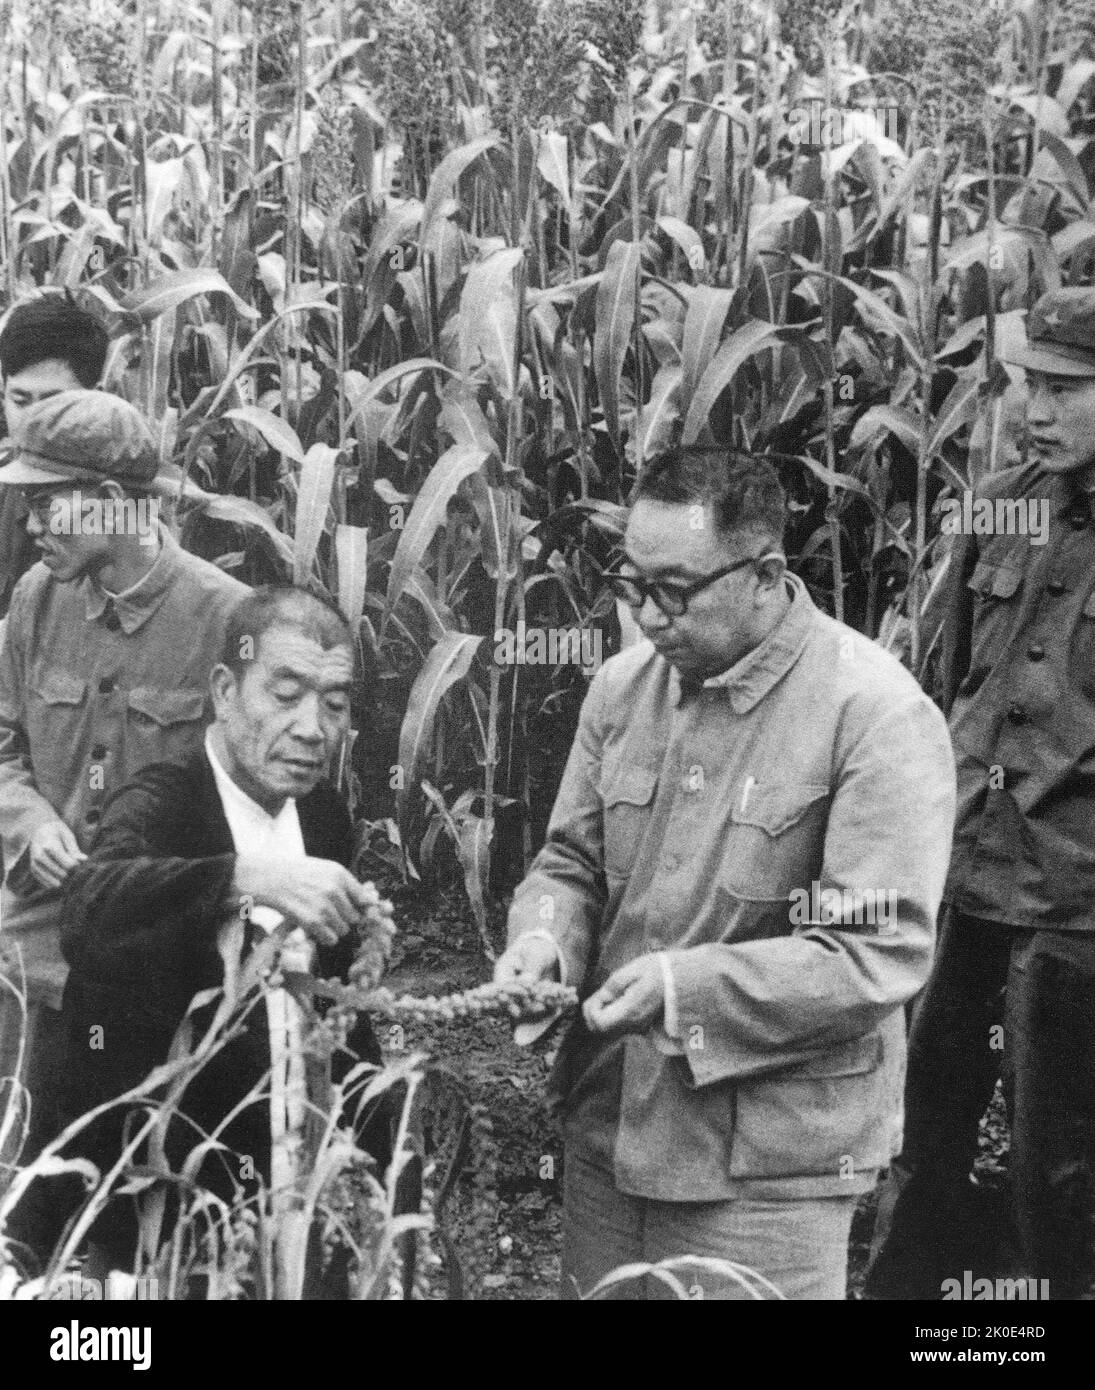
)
(800, 1246)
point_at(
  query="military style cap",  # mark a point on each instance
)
(1060, 334)
(81, 436)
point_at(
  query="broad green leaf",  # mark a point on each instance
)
(439, 616)
(488, 318)
(352, 553)
(380, 383)
(427, 514)
(241, 511)
(703, 325)
(499, 519)
(175, 288)
(317, 476)
(686, 237)
(448, 662)
(381, 264)
(616, 295)
(443, 181)
(661, 411)
(957, 410)
(743, 343)
(473, 849)
(277, 433)
(551, 161)
(463, 419)
(880, 420)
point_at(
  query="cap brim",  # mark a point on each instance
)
(1044, 359)
(23, 472)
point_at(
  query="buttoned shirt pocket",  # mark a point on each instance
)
(164, 723)
(829, 1115)
(776, 838)
(628, 796)
(55, 699)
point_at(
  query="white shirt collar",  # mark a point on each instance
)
(236, 802)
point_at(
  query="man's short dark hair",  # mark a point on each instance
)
(742, 490)
(282, 605)
(54, 326)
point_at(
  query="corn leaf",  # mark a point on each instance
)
(317, 476)
(444, 181)
(175, 288)
(448, 662)
(614, 323)
(427, 514)
(277, 433)
(748, 340)
(352, 554)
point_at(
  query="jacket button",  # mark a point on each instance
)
(1017, 714)
(1078, 521)
(93, 817)
(1037, 652)
(1055, 587)
(106, 685)
(98, 751)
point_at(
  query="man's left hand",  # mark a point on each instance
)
(631, 1000)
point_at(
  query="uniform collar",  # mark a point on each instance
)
(750, 679)
(136, 605)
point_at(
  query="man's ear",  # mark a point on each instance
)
(771, 568)
(222, 688)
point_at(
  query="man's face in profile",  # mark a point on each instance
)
(285, 716)
(1061, 421)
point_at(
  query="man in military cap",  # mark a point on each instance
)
(1013, 987)
(47, 345)
(104, 669)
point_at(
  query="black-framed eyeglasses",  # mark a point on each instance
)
(672, 599)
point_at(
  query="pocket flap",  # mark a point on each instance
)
(168, 707)
(775, 806)
(59, 688)
(634, 786)
(853, 1058)
(995, 581)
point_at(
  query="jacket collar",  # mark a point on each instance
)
(748, 681)
(135, 606)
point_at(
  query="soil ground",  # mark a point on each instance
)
(507, 1240)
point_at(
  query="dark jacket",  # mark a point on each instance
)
(139, 929)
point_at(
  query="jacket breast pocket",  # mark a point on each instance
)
(830, 1116)
(776, 839)
(164, 723)
(628, 797)
(54, 702)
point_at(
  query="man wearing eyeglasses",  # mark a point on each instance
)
(741, 876)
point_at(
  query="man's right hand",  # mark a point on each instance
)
(529, 959)
(54, 853)
(317, 895)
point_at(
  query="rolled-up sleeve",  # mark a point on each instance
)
(564, 891)
(760, 1006)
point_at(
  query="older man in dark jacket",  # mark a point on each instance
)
(196, 860)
